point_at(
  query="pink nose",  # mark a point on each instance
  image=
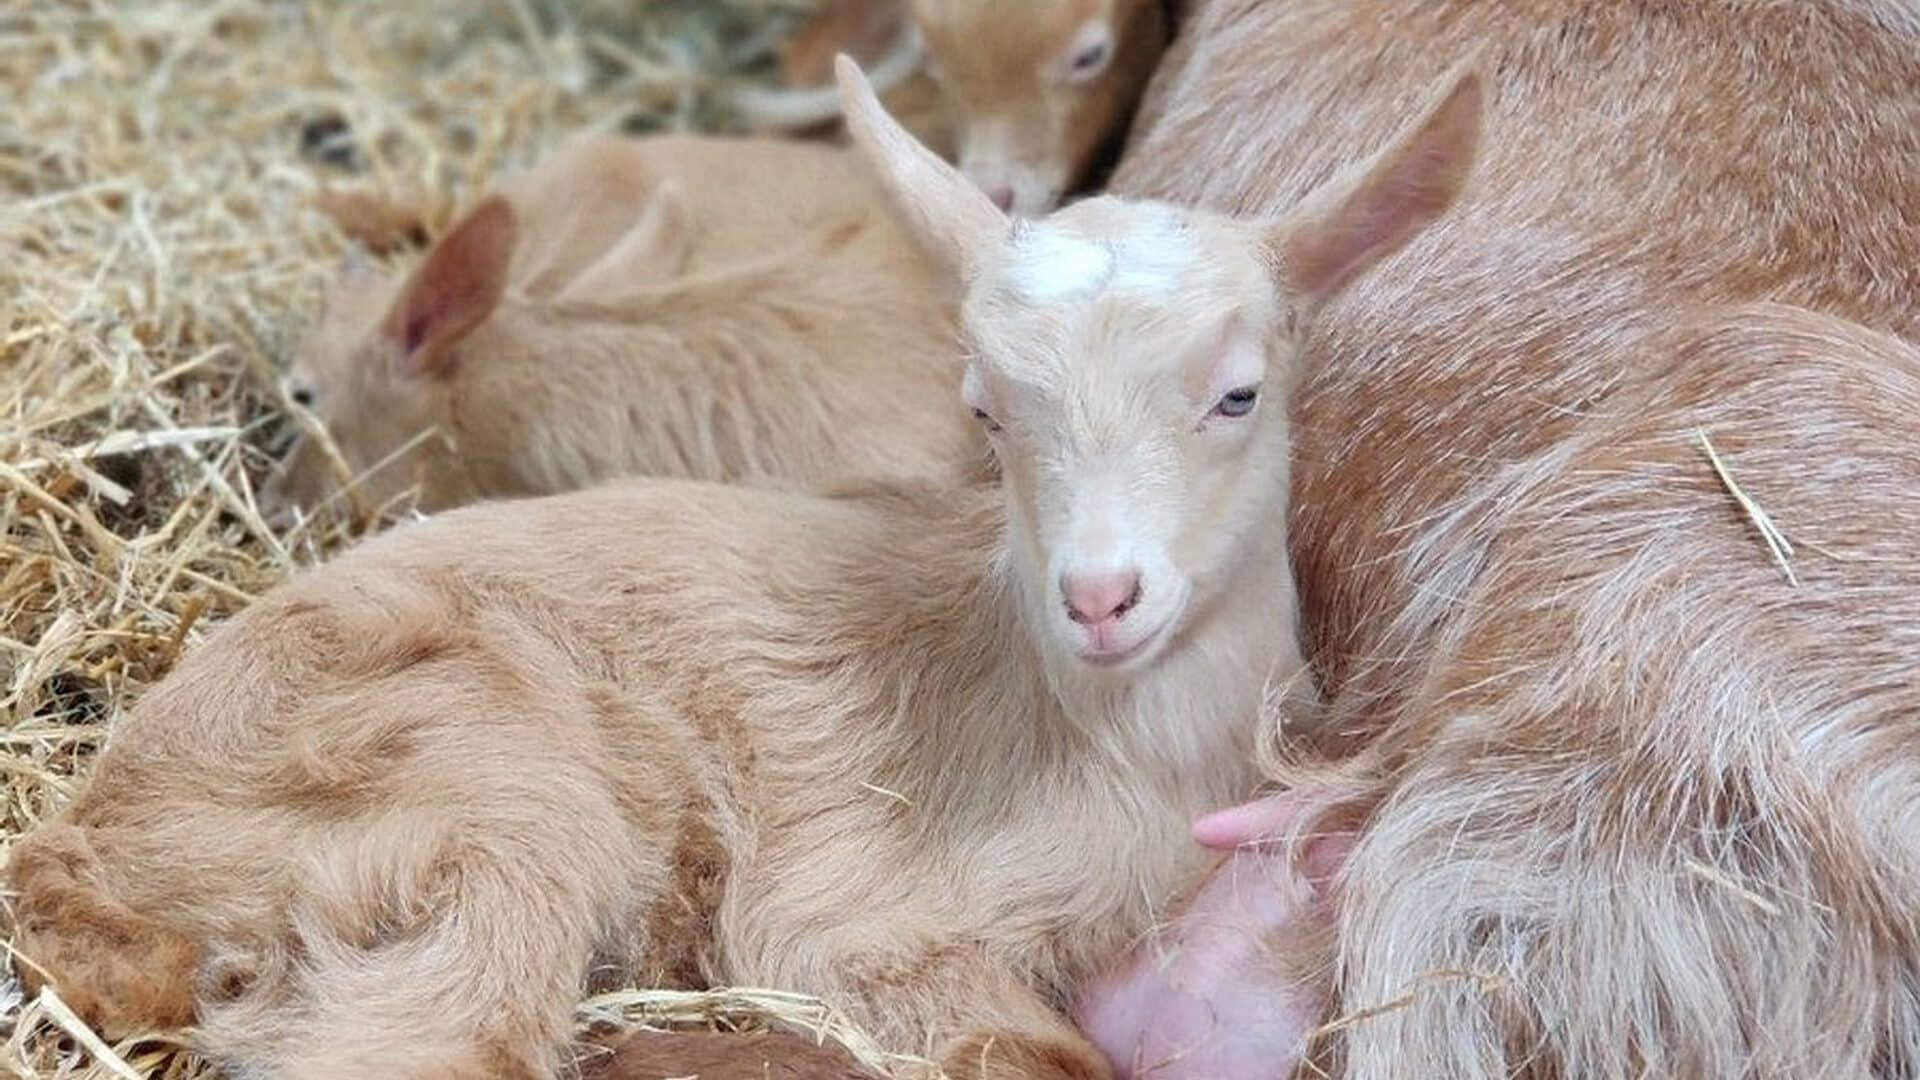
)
(1002, 197)
(1096, 598)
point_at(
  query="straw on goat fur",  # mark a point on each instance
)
(158, 166)
(725, 1009)
(1777, 544)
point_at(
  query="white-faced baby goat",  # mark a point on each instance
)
(931, 754)
(706, 308)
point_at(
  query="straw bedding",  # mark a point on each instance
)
(159, 255)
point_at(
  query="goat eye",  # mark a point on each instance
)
(986, 420)
(1238, 402)
(1088, 61)
(302, 396)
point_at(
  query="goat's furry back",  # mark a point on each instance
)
(1636, 804)
(1653, 811)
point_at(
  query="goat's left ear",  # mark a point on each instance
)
(456, 289)
(953, 220)
(1371, 209)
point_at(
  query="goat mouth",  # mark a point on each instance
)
(1113, 658)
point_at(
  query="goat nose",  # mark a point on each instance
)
(1095, 598)
(1002, 197)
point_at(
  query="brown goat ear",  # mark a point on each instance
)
(953, 220)
(455, 290)
(1370, 210)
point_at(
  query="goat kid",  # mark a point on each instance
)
(881, 37)
(929, 753)
(714, 309)
(1037, 94)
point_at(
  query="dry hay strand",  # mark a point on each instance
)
(1778, 546)
(159, 163)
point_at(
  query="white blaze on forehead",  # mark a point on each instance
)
(1049, 263)
(1154, 257)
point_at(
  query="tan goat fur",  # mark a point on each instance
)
(1633, 804)
(715, 309)
(392, 819)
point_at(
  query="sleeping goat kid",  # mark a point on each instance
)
(1034, 93)
(715, 309)
(1039, 94)
(928, 754)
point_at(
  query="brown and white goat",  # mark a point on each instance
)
(1036, 92)
(1622, 799)
(930, 753)
(715, 309)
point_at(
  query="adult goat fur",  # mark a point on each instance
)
(1625, 794)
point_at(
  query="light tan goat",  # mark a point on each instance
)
(929, 752)
(1629, 801)
(1038, 93)
(714, 309)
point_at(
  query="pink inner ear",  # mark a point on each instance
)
(1320, 258)
(458, 287)
(416, 333)
(1361, 218)
(1389, 211)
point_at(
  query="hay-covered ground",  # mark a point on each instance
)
(159, 257)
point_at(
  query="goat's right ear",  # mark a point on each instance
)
(456, 289)
(954, 221)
